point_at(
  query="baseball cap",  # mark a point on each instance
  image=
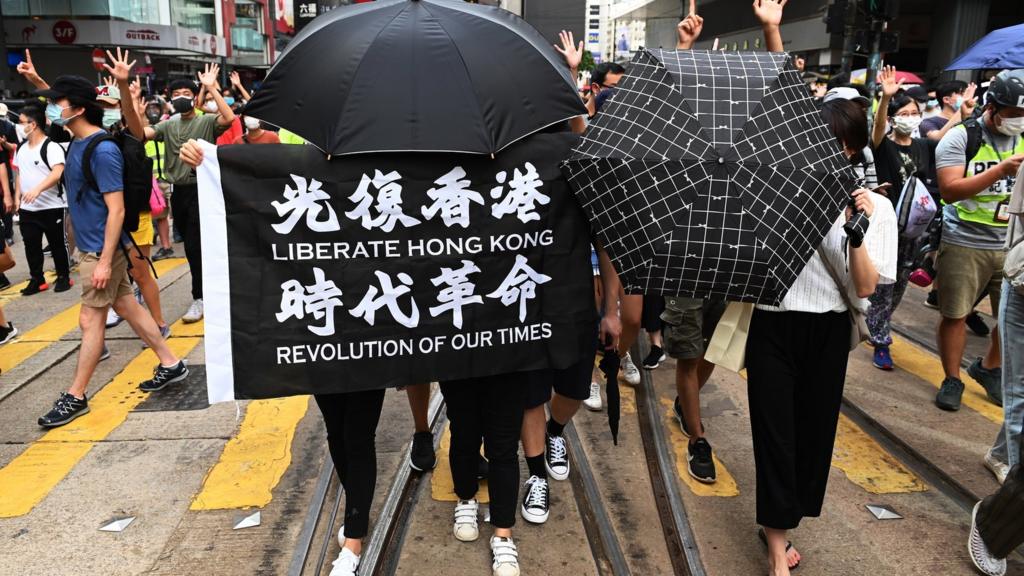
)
(69, 86)
(108, 94)
(845, 93)
(918, 93)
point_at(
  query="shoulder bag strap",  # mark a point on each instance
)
(837, 279)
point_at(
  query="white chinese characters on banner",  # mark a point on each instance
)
(522, 197)
(458, 291)
(305, 200)
(520, 285)
(388, 202)
(318, 300)
(388, 296)
(452, 198)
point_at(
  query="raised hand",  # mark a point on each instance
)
(769, 12)
(887, 79)
(27, 69)
(208, 78)
(235, 80)
(689, 30)
(121, 66)
(967, 107)
(569, 50)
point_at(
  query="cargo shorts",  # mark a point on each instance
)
(117, 286)
(964, 275)
(689, 324)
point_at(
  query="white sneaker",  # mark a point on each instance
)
(466, 529)
(594, 403)
(195, 312)
(506, 557)
(630, 371)
(346, 563)
(983, 560)
(996, 467)
(341, 536)
(112, 318)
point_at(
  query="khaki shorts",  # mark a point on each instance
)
(117, 286)
(165, 187)
(964, 275)
(688, 326)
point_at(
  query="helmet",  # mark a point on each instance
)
(1007, 88)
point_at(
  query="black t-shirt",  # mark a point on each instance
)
(58, 134)
(894, 163)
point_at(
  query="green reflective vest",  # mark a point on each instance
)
(155, 150)
(288, 137)
(981, 209)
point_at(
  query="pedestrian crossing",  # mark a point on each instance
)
(258, 453)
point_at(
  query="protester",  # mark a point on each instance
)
(899, 157)
(154, 113)
(174, 132)
(797, 356)
(957, 99)
(255, 134)
(976, 164)
(997, 528)
(40, 200)
(864, 161)
(97, 206)
(650, 320)
(421, 455)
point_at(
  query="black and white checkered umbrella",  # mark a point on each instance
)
(710, 174)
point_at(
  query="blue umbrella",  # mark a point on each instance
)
(1003, 48)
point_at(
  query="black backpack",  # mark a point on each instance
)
(46, 162)
(974, 139)
(137, 174)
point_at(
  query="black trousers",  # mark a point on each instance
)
(650, 317)
(351, 422)
(490, 408)
(185, 209)
(796, 367)
(34, 226)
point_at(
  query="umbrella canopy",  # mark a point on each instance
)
(860, 76)
(1002, 48)
(710, 174)
(417, 75)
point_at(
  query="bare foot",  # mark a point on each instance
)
(778, 566)
(793, 557)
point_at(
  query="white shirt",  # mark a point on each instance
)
(814, 289)
(32, 170)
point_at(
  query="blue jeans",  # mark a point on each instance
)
(1011, 334)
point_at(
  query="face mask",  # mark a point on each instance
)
(229, 100)
(210, 107)
(54, 112)
(252, 123)
(906, 124)
(110, 117)
(957, 103)
(19, 129)
(933, 103)
(1011, 126)
(153, 117)
(181, 104)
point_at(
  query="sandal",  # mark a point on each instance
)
(789, 545)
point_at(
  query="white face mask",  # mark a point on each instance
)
(252, 123)
(210, 106)
(20, 131)
(906, 124)
(1011, 126)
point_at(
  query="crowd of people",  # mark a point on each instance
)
(100, 173)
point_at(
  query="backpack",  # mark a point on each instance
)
(137, 174)
(974, 139)
(46, 162)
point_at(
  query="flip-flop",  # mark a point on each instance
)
(764, 540)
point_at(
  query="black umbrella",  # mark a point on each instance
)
(710, 174)
(417, 75)
(610, 367)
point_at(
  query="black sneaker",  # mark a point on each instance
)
(8, 333)
(949, 395)
(483, 469)
(677, 408)
(5, 283)
(700, 464)
(34, 287)
(64, 410)
(63, 284)
(164, 376)
(654, 359)
(556, 458)
(977, 325)
(163, 254)
(932, 301)
(991, 379)
(535, 500)
(421, 457)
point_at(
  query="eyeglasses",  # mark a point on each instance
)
(908, 114)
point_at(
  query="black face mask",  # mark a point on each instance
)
(182, 104)
(153, 117)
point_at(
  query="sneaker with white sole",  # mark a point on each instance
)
(593, 403)
(346, 563)
(997, 467)
(535, 500)
(8, 333)
(506, 557)
(466, 528)
(195, 312)
(983, 560)
(629, 371)
(112, 318)
(556, 458)
(164, 375)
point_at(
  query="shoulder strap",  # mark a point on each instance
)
(89, 178)
(836, 278)
(42, 154)
(974, 141)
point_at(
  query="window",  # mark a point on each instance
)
(595, 24)
(595, 10)
(247, 32)
(141, 11)
(195, 14)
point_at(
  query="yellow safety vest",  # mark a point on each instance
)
(155, 150)
(982, 208)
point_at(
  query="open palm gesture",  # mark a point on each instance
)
(208, 77)
(121, 66)
(569, 50)
(887, 79)
(769, 12)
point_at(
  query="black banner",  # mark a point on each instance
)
(370, 271)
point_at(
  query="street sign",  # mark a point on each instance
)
(99, 58)
(64, 32)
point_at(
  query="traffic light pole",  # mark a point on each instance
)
(849, 30)
(875, 60)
